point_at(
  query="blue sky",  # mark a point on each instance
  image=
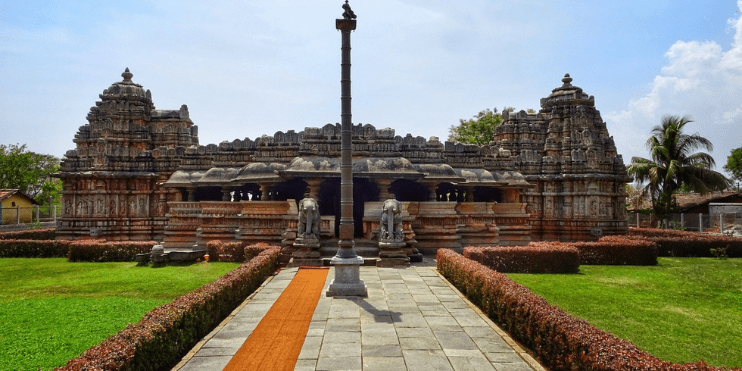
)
(251, 68)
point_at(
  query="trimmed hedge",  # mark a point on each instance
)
(112, 251)
(225, 251)
(536, 257)
(34, 249)
(560, 341)
(684, 244)
(30, 234)
(233, 251)
(252, 251)
(167, 333)
(617, 250)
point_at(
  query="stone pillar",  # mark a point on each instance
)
(384, 184)
(682, 221)
(264, 189)
(1, 214)
(432, 188)
(226, 196)
(469, 193)
(313, 185)
(36, 211)
(55, 215)
(191, 194)
(18, 214)
(347, 264)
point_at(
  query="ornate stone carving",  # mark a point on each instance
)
(390, 225)
(308, 232)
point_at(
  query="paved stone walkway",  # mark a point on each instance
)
(412, 320)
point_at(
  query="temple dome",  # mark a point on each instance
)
(126, 90)
(566, 95)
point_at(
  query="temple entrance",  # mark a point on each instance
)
(329, 201)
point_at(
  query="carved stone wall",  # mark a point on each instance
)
(566, 151)
(111, 179)
(133, 163)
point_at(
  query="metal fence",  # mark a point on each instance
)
(26, 215)
(710, 223)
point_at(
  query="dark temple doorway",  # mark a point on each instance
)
(364, 190)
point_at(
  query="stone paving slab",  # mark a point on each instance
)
(413, 319)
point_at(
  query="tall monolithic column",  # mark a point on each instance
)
(347, 264)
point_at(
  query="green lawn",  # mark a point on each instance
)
(683, 310)
(52, 310)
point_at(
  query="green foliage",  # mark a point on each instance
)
(720, 252)
(734, 164)
(52, 310)
(683, 310)
(477, 130)
(675, 163)
(29, 172)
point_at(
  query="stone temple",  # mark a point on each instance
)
(139, 173)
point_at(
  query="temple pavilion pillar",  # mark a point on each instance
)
(469, 193)
(226, 196)
(264, 189)
(384, 185)
(313, 185)
(433, 188)
(191, 194)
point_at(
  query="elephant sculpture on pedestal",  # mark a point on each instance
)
(309, 220)
(390, 224)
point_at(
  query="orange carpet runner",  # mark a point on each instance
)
(276, 342)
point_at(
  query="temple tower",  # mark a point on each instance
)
(566, 151)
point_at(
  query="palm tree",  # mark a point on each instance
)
(673, 164)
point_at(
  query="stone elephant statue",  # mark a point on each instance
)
(390, 225)
(309, 219)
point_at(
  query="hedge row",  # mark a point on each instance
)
(560, 341)
(112, 251)
(683, 244)
(75, 251)
(34, 249)
(30, 234)
(536, 257)
(226, 251)
(167, 333)
(617, 250)
(233, 251)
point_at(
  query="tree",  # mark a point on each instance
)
(29, 172)
(734, 164)
(477, 130)
(673, 164)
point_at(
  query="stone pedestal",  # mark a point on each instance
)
(347, 280)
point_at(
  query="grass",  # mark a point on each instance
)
(52, 310)
(682, 310)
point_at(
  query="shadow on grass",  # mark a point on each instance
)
(162, 265)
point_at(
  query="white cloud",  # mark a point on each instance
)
(700, 80)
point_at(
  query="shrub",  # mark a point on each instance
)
(680, 243)
(536, 257)
(560, 341)
(102, 251)
(167, 333)
(212, 248)
(617, 250)
(35, 234)
(252, 251)
(33, 248)
(231, 252)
